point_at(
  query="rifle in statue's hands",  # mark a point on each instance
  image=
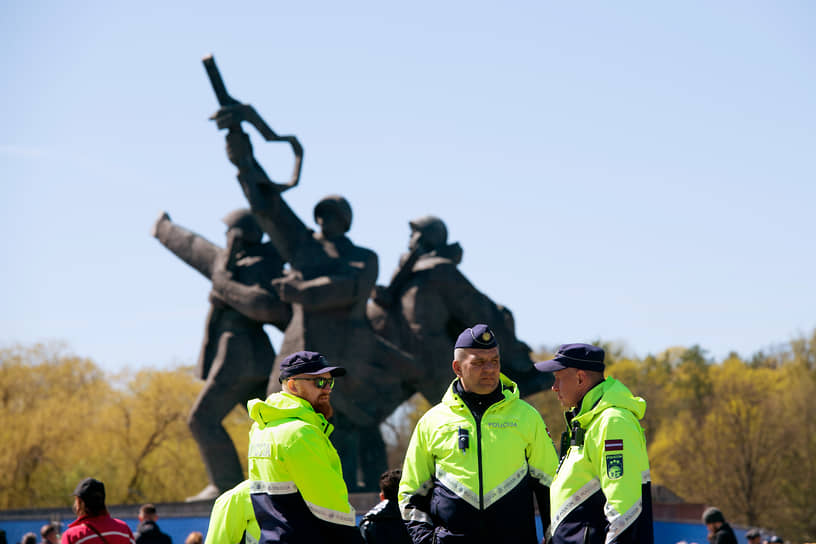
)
(232, 113)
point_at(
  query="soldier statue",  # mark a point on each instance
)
(328, 282)
(429, 301)
(236, 355)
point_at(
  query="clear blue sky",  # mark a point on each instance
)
(639, 172)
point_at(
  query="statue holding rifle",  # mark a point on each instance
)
(328, 282)
(429, 301)
(236, 355)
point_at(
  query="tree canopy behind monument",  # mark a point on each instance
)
(62, 418)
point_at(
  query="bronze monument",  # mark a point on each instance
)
(236, 355)
(319, 288)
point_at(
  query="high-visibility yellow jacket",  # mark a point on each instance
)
(478, 488)
(295, 490)
(233, 519)
(602, 490)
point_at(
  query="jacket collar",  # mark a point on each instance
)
(607, 394)
(508, 386)
(284, 406)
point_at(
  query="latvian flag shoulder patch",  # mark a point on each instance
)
(613, 445)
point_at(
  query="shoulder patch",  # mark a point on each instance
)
(614, 466)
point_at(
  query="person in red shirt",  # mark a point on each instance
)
(94, 525)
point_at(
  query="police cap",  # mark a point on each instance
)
(476, 337)
(581, 356)
(308, 362)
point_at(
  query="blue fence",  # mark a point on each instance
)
(179, 528)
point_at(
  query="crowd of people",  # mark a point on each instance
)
(95, 525)
(476, 463)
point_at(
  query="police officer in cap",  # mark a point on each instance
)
(602, 490)
(295, 492)
(476, 458)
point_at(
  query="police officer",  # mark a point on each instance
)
(475, 459)
(602, 490)
(295, 492)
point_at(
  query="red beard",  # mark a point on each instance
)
(324, 407)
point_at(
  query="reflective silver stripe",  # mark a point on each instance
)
(589, 489)
(458, 488)
(410, 512)
(286, 488)
(272, 488)
(506, 486)
(250, 539)
(332, 516)
(541, 476)
(619, 522)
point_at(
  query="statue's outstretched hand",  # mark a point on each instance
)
(154, 230)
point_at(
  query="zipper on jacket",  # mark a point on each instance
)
(479, 450)
(478, 422)
(479, 459)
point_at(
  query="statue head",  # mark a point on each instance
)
(428, 232)
(244, 222)
(333, 214)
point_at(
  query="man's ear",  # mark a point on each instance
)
(581, 376)
(291, 384)
(457, 367)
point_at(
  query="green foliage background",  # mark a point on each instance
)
(738, 434)
(62, 419)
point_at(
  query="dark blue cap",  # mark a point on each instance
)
(308, 362)
(581, 356)
(476, 337)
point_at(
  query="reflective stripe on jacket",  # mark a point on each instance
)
(482, 493)
(602, 490)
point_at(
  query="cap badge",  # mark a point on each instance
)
(485, 337)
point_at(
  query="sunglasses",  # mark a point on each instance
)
(320, 383)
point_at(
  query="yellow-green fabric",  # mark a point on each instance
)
(612, 460)
(232, 515)
(514, 442)
(290, 451)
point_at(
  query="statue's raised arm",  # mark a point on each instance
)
(286, 231)
(192, 248)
